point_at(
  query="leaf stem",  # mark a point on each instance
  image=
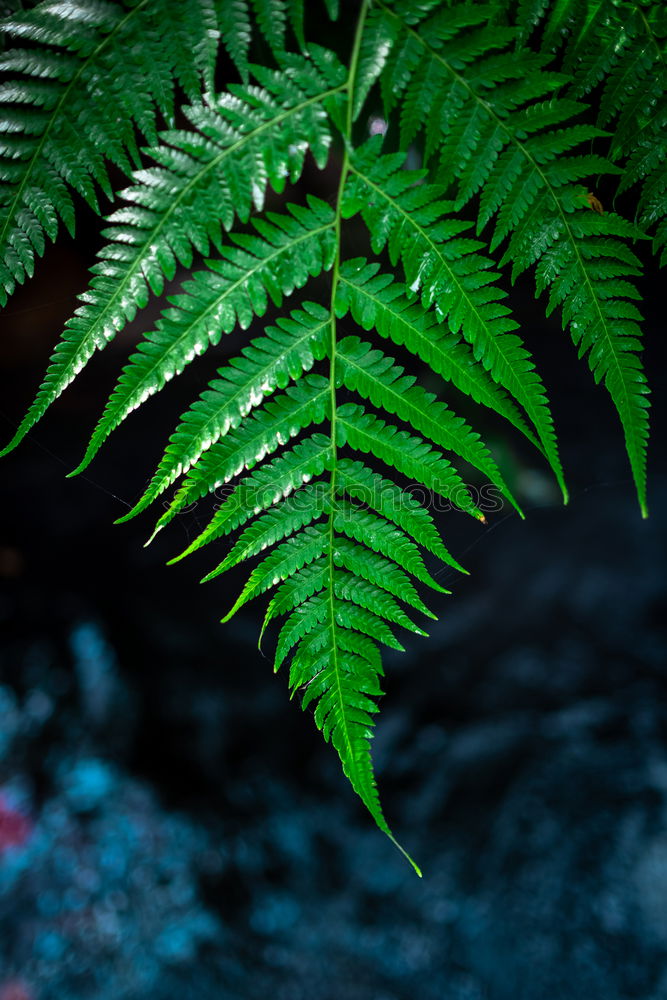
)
(347, 140)
(351, 770)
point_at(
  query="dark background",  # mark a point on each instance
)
(171, 825)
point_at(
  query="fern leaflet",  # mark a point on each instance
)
(491, 120)
(60, 126)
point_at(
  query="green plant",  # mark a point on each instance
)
(487, 99)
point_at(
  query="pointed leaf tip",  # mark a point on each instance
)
(174, 559)
(150, 539)
(231, 613)
(405, 854)
(83, 464)
(127, 517)
(13, 442)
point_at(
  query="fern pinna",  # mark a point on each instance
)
(312, 432)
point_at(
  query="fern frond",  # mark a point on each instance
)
(269, 362)
(263, 488)
(447, 270)
(64, 125)
(409, 454)
(251, 138)
(260, 435)
(379, 303)
(307, 617)
(232, 291)
(380, 535)
(283, 563)
(342, 683)
(381, 572)
(304, 569)
(377, 379)
(277, 523)
(480, 110)
(392, 504)
(320, 458)
(295, 590)
(356, 588)
(236, 33)
(271, 17)
(623, 49)
(558, 20)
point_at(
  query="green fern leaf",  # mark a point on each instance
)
(625, 51)
(375, 377)
(277, 523)
(296, 590)
(379, 535)
(409, 454)
(356, 588)
(282, 447)
(233, 290)
(203, 181)
(272, 20)
(377, 302)
(480, 143)
(236, 32)
(395, 505)
(269, 362)
(65, 126)
(559, 20)
(363, 562)
(261, 489)
(448, 271)
(282, 418)
(343, 684)
(283, 563)
(305, 620)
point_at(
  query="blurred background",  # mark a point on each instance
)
(171, 825)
